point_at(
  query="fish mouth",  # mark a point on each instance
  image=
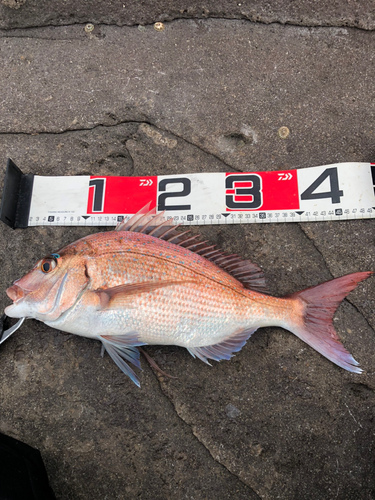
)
(15, 293)
(26, 305)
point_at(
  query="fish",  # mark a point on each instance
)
(148, 283)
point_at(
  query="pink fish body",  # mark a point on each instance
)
(128, 288)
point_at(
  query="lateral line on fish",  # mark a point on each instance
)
(196, 272)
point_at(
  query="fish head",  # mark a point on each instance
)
(51, 287)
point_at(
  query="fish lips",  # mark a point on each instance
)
(15, 293)
(19, 308)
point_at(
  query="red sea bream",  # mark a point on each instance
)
(146, 283)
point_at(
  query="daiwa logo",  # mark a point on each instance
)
(145, 182)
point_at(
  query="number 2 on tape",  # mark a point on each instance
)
(162, 198)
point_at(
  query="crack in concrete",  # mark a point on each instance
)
(256, 21)
(316, 247)
(83, 129)
(18, 33)
(124, 122)
(343, 25)
(361, 313)
(197, 437)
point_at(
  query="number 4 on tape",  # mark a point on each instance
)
(331, 192)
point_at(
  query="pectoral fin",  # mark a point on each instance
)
(121, 295)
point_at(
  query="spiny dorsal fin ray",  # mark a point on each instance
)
(128, 225)
(145, 221)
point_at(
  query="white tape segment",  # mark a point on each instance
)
(330, 192)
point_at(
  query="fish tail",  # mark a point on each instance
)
(317, 306)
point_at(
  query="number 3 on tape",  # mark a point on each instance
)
(331, 192)
(243, 192)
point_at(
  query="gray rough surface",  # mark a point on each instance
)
(28, 13)
(278, 420)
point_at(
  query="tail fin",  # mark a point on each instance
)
(320, 303)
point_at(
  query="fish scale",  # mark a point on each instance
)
(148, 284)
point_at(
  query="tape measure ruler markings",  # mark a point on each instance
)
(330, 192)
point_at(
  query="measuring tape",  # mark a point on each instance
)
(331, 192)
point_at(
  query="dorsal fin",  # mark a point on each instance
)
(145, 221)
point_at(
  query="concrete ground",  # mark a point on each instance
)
(278, 420)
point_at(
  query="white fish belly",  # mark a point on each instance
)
(159, 318)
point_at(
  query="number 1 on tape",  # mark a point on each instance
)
(331, 192)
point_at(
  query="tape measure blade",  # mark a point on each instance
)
(329, 192)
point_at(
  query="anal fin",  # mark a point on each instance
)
(224, 349)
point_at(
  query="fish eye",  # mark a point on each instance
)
(47, 265)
